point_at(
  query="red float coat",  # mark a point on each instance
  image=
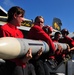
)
(37, 33)
(9, 30)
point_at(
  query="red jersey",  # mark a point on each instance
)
(54, 40)
(37, 33)
(9, 30)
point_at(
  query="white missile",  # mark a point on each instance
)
(63, 45)
(11, 48)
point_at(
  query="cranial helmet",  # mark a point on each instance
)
(63, 31)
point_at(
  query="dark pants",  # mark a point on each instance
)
(42, 67)
(7, 68)
(10, 68)
(39, 68)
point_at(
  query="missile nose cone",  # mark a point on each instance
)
(9, 47)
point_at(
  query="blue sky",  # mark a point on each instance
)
(62, 9)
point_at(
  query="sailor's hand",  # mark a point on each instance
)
(60, 49)
(28, 56)
(71, 49)
(39, 53)
(68, 48)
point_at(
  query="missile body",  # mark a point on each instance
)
(63, 45)
(15, 47)
(11, 48)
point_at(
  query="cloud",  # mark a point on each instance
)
(8, 3)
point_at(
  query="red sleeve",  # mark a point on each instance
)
(72, 43)
(38, 34)
(69, 41)
(3, 33)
